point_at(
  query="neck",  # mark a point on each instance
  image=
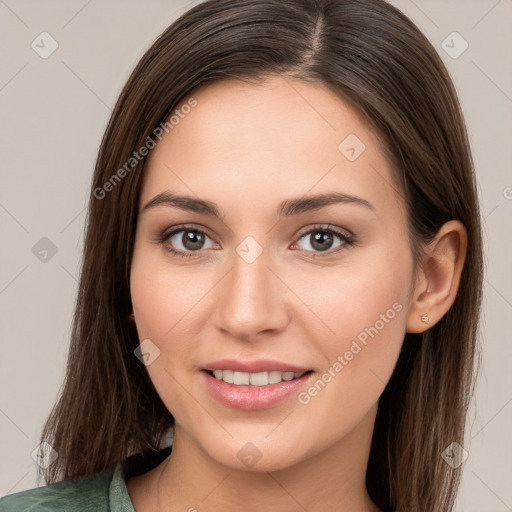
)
(333, 479)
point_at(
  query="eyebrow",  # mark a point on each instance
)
(286, 208)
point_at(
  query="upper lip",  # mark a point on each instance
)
(261, 365)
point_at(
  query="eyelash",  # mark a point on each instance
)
(348, 240)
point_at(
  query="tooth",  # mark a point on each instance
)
(241, 378)
(274, 377)
(255, 379)
(259, 379)
(227, 376)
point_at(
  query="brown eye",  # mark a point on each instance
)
(184, 241)
(322, 239)
(192, 240)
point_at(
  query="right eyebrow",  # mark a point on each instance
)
(183, 202)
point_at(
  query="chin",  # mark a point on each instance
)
(255, 453)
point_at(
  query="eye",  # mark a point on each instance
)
(322, 239)
(185, 240)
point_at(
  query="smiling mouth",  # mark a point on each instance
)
(258, 379)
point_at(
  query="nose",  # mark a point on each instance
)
(252, 300)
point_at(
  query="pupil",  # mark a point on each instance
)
(192, 240)
(320, 238)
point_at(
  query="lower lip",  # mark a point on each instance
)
(253, 398)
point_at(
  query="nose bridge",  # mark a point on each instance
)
(251, 300)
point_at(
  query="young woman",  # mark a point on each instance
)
(282, 270)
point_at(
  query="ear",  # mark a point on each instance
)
(438, 278)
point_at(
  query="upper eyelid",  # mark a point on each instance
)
(328, 227)
(338, 231)
(176, 229)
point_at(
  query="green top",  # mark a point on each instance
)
(105, 491)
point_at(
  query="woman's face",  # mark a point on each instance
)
(300, 287)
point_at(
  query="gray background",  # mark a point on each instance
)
(54, 112)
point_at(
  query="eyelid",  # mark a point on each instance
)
(167, 234)
(347, 239)
(345, 235)
(184, 227)
(328, 227)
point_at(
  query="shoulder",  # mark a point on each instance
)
(102, 492)
(90, 493)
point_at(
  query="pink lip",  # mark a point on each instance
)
(262, 365)
(253, 398)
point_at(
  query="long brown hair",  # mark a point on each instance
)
(372, 56)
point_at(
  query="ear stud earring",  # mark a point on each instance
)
(424, 318)
(131, 317)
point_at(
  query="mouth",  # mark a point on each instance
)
(254, 391)
(265, 378)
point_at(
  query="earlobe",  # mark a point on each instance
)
(439, 277)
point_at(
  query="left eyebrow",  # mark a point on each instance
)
(315, 202)
(286, 208)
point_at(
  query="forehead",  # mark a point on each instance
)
(260, 143)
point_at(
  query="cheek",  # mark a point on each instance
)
(368, 307)
(370, 289)
(165, 298)
(165, 306)
(362, 307)
(171, 305)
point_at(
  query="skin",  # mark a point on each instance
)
(247, 148)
